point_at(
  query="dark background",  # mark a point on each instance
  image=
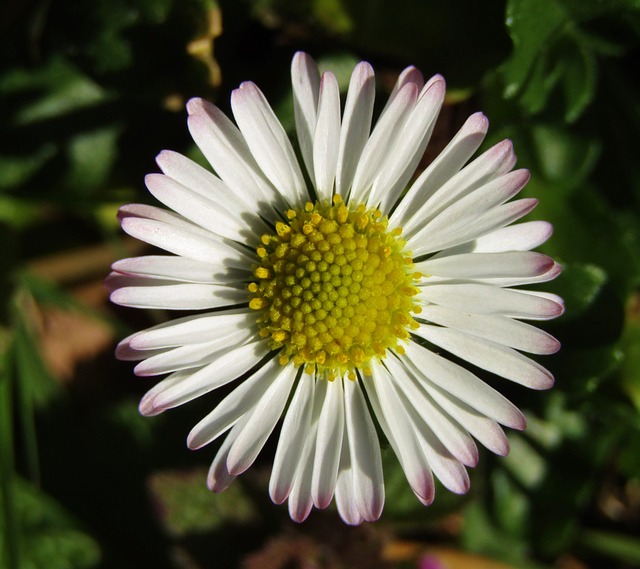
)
(90, 92)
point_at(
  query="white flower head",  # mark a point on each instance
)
(333, 300)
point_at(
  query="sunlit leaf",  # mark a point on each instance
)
(186, 506)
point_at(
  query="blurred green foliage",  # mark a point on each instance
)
(90, 91)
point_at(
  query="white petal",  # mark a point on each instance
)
(193, 176)
(193, 329)
(143, 211)
(366, 463)
(211, 215)
(301, 496)
(226, 150)
(409, 75)
(461, 383)
(444, 466)
(186, 242)
(234, 406)
(124, 351)
(326, 138)
(520, 264)
(496, 328)
(347, 506)
(268, 142)
(300, 499)
(493, 163)
(178, 269)
(146, 406)
(328, 443)
(262, 421)
(484, 429)
(191, 355)
(551, 274)
(443, 167)
(305, 81)
(400, 433)
(356, 125)
(520, 237)
(455, 439)
(448, 470)
(488, 299)
(382, 139)
(179, 296)
(489, 356)
(402, 160)
(471, 205)
(546, 297)
(228, 367)
(115, 281)
(219, 478)
(454, 227)
(293, 435)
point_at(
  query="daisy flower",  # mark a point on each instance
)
(335, 288)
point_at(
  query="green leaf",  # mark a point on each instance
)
(551, 49)
(62, 87)
(62, 106)
(543, 79)
(91, 154)
(579, 79)
(564, 157)
(617, 546)
(17, 170)
(630, 345)
(524, 462)
(10, 539)
(546, 513)
(587, 231)
(188, 507)
(37, 386)
(582, 10)
(333, 15)
(511, 504)
(50, 537)
(580, 285)
(628, 425)
(481, 534)
(531, 25)
(583, 369)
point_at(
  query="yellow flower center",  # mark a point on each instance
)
(334, 288)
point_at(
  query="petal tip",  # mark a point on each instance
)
(478, 123)
(147, 407)
(117, 297)
(502, 447)
(164, 156)
(301, 57)
(194, 442)
(195, 105)
(279, 495)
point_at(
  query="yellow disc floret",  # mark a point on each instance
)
(334, 288)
